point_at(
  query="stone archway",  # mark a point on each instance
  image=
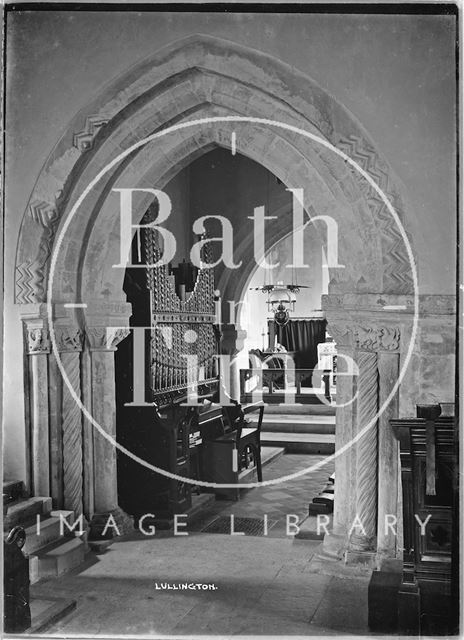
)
(197, 78)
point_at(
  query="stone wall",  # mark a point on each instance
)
(393, 74)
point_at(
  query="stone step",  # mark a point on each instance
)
(314, 527)
(14, 489)
(24, 512)
(300, 409)
(47, 611)
(268, 455)
(316, 508)
(60, 557)
(48, 531)
(298, 423)
(278, 397)
(323, 443)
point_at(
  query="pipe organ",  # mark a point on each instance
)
(183, 339)
(181, 414)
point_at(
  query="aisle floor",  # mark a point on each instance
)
(267, 586)
(289, 497)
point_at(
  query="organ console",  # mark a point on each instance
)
(178, 426)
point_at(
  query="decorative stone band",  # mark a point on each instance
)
(37, 340)
(377, 338)
(372, 303)
(69, 339)
(105, 338)
(365, 338)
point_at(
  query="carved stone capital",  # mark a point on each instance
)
(69, 339)
(342, 333)
(377, 338)
(105, 338)
(37, 340)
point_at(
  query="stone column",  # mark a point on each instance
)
(364, 527)
(334, 544)
(102, 341)
(376, 451)
(38, 349)
(387, 539)
(55, 400)
(366, 476)
(69, 345)
(87, 434)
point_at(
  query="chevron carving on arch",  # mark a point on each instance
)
(43, 213)
(397, 277)
(29, 282)
(83, 140)
(30, 285)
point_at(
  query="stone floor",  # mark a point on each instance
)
(273, 585)
(280, 499)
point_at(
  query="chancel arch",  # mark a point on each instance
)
(200, 78)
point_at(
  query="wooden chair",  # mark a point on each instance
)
(227, 455)
(248, 438)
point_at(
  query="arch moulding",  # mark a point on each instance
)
(198, 77)
(172, 86)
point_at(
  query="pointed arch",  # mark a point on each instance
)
(189, 78)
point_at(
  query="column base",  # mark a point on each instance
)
(334, 545)
(84, 536)
(366, 558)
(361, 542)
(104, 527)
